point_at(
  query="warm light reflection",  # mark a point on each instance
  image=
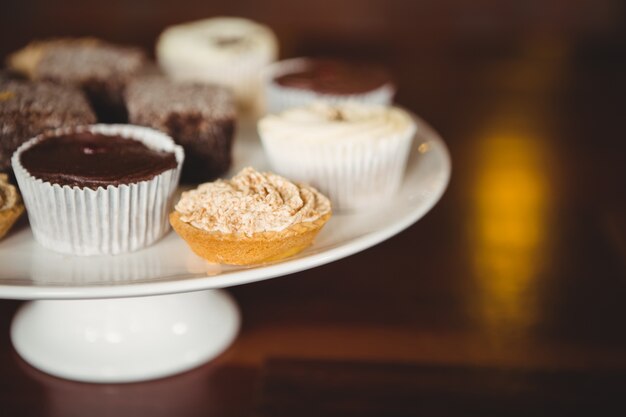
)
(511, 192)
(510, 198)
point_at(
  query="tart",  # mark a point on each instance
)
(11, 207)
(252, 218)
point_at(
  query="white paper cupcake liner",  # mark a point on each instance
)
(118, 219)
(243, 78)
(279, 98)
(354, 174)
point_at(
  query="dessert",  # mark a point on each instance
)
(11, 207)
(301, 81)
(100, 189)
(252, 218)
(354, 153)
(200, 118)
(100, 69)
(224, 50)
(30, 108)
(92, 160)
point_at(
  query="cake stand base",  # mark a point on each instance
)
(125, 339)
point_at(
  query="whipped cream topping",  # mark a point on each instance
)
(220, 39)
(332, 122)
(251, 202)
(8, 194)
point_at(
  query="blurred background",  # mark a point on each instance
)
(523, 262)
(428, 44)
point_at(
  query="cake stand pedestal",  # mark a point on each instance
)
(125, 339)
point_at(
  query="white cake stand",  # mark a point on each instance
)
(159, 311)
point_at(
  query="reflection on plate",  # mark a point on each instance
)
(28, 271)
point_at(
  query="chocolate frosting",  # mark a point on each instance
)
(92, 160)
(335, 77)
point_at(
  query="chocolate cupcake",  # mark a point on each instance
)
(100, 189)
(30, 108)
(301, 81)
(200, 118)
(100, 69)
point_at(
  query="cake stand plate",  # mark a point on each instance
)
(158, 311)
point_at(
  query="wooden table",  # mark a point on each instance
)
(509, 298)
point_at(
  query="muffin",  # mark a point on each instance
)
(100, 69)
(302, 81)
(224, 50)
(30, 108)
(100, 189)
(252, 218)
(11, 207)
(200, 118)
(354, 153)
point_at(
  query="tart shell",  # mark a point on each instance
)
(240, 249)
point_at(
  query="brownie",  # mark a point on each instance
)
(92, 160)
(328, 76)
(199, 117)
(30, 108)
(100, 69)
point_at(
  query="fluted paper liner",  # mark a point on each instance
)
(110, 220)
(242, 78)
(354, 173)
(279, 98)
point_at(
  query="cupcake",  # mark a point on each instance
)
(302, 81)
(224, 50)
(252, 218)
(11, 207)
(100, 69)
(30, 108)
(199, 117)
(354, 153)
(100, 189)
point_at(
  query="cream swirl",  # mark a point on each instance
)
(323, 122)
(251, 202)
(220, 39)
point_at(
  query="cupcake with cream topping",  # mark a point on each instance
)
(252, 218)
(224, 50)
(354, 153)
